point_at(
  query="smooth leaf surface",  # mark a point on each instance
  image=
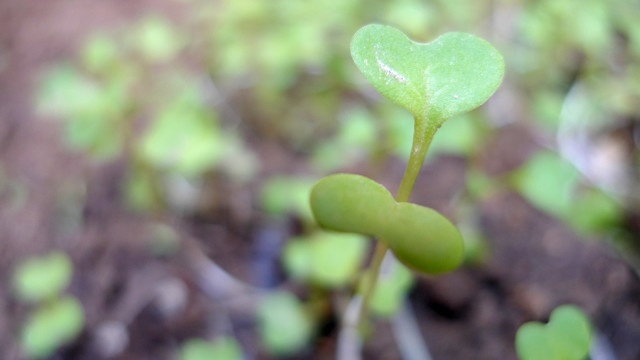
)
(421, 238)
(452, 74)
(350, 203)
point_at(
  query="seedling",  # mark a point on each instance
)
(567, 336)
(451, 75)
(58, 318)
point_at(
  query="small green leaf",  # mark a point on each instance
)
(99, 53)
(326, 258)
(157, 39)
(594, 211)
(567, 336)
(453, 74)
(284, 326)
(52, 326)
(548, 182)
(65, 92)
(185, 137)
(532, 342)
(391, 289)
(570, 332)
(42, 278)
(287, 195)
(225, 348)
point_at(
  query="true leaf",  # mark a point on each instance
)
(452, 74)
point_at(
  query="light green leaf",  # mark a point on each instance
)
(51, 326)
(548, 182)
(567, 336)
(184, 137)
(64, 92)
(391, 289)
(99, 53)
(532, 342)
(41, 278)
(157, 39)
(287, 195)
(225, 348)
(326, 258)
(284, 326)
(594, 211)
(452, 74)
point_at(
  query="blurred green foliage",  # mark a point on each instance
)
(552, 184)
(57, 319)
(225, 348)
(567, 336)
(198, 98)
(39, 279)
(285, 326)
(391, 289)
(52, 325)
(325, 258)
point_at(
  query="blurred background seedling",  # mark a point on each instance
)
(57, 319)
(568, 336)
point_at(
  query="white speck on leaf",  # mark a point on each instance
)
(389, 71)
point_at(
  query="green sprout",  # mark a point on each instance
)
(448, 76)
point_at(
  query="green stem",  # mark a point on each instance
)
(371, 278)
(422, 135)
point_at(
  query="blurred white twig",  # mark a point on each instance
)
(408, 336)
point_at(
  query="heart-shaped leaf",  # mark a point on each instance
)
(567, 336)
(452, 74)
